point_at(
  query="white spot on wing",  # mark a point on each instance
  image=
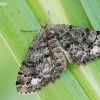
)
(95, 49)
(35, 81)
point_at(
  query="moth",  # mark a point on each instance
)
(46, 56)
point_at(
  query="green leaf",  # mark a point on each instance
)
(76, 83)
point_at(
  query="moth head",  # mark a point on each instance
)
(44, 25)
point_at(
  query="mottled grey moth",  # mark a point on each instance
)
(46, 56)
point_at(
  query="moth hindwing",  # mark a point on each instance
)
(46, 56)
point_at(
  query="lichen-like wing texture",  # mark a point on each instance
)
(46, 56)
(81, 45)
(42, 64)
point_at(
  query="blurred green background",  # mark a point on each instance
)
(76, 83)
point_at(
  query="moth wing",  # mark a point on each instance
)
(81, 45)
(38, 68)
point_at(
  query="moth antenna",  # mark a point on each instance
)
(29, 31)
(49, 17)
